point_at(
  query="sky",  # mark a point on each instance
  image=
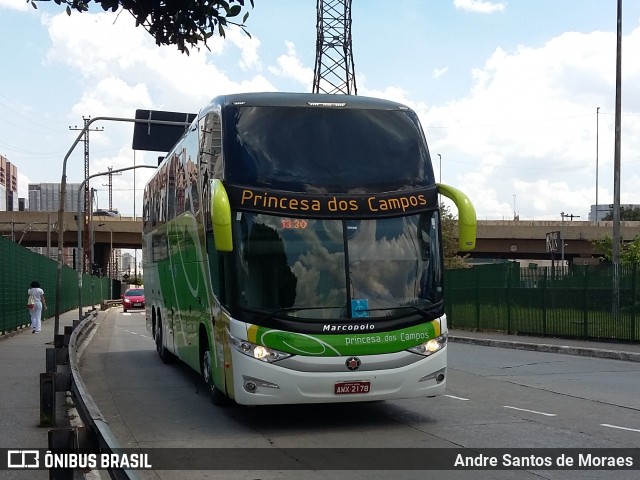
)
(516, 97)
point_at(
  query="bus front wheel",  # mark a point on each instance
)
(217, 397)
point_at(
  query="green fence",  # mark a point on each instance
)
(576, 301)
(19, 266)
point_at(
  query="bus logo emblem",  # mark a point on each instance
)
(352, 363)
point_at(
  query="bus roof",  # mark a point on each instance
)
(282, 99)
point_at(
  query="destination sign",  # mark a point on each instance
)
(295, 204)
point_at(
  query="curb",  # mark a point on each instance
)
(545, 347)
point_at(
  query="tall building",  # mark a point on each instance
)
(8, 185)
(45, 197)
(127, 264)
(3, 184)
(115, 268)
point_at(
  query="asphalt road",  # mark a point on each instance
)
(496, 398)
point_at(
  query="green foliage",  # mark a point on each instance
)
(626, 214)
(185, 23)
(629, 251)
(449, 227)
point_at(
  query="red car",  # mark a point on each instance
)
(133, 298)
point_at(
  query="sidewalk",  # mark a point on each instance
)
(22, 360)
(613, 350)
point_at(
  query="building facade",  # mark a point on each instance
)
(45, 197)
(8, 185)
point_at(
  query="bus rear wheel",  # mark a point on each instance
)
(163, 353)
(218, 398)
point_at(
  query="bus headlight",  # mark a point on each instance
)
(430, 346)
(258, 352)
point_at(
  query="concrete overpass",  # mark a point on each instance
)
(40, 229)
(519, 240)
(515, 240)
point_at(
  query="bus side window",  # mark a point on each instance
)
(217, 270)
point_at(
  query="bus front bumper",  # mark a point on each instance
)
(261, 383)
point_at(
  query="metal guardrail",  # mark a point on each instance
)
(95, 434)
(110, 303)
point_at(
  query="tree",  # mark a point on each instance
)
(629, 251)
(449, 227)
(184, 23)
(628, 214)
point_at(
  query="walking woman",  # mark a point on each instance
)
(39, 304)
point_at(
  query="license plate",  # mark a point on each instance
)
(137, 304)
(346, 388)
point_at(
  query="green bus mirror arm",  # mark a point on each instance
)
(221, 217)
(467, 223)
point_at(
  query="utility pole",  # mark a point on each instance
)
(110, 185)
(334, 71)
(110, 189)
(615, 241)
(87, 191)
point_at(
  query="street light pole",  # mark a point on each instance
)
(562, 239)
(111, 264)
(63, 194)
(440, 172)
(597, 150)
(91, 232)
(571, 216)
(80, 259)
(93, 241)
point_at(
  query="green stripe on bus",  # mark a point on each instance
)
(344, 344)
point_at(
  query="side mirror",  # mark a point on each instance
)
(467, 224)
(221, 217)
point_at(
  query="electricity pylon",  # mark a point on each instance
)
(334, 71)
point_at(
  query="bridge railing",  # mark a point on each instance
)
(575, 301)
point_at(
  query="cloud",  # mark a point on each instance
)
(248, 46)
(479, 6)
(527, 127)
(121, 69)
(438, 72)
(19, 5)
(290, 66)
(102, 48)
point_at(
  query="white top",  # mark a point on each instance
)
(37, 293)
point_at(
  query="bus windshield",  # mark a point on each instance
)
(336, 269)
(325, 150)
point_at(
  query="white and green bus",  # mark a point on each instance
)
(292, 251)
